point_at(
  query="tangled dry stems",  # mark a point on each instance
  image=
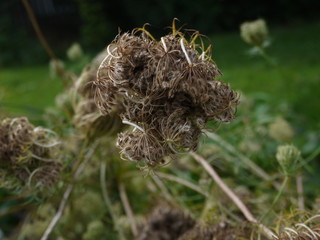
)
(167, 90)
(307, 230)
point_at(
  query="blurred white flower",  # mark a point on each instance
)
(75, 52)
(255, 32)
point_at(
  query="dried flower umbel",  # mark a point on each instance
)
(167, 90)
(28, 155)
(87, 116)
(166, 223)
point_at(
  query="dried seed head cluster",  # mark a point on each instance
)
(166, 223)
(306, 230)
(168, 91)
(28, 154)
(87, 117)
(221, 231)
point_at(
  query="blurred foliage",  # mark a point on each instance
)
(93, 23)
(16, 45)
(96, 29)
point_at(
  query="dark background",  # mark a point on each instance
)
(94, 23)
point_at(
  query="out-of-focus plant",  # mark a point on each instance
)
(256, 34)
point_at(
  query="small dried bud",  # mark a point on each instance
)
(288, 156)
(254, 32)
(281, 130)
(75, 52)
(56, 68)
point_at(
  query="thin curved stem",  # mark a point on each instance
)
(107, 200)
(266, 57)
(183, 182)
(67, 193)
(299, 181)
(128, 209)
(38, 31)
(276, 199)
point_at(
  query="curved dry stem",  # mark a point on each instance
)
(183, 182)
(128, 209)
(107, 200)
(83, 161)
(133, 125)
(184, 51)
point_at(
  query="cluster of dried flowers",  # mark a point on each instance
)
(28, 155)
(87, 116)
(167, 223)
(167, 91)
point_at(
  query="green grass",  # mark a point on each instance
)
(296, 79)
(27, 90)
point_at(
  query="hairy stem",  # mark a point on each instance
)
(243, 208)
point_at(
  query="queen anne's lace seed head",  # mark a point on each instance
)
(28, 155)
(167, 90)
(87, 117)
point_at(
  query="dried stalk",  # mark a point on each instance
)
(243, 208)
(38, 31)
(107, 200)
(163, 188)
(128, 209)
(183, 182)
(68, 192)
(299, 180)
(62, 73)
